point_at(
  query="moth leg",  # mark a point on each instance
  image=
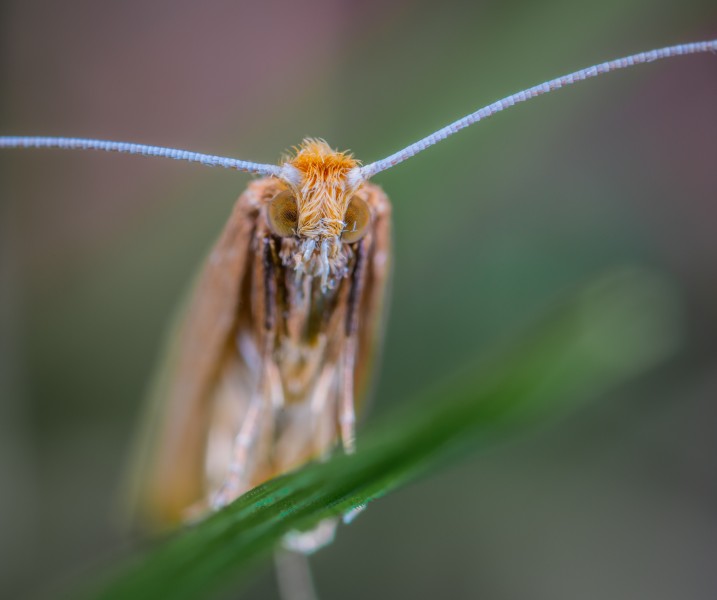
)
(265, 399)
(347, 412)
(323, 409)
(346, 408)
(258, 422)
(323, 421)
(347, 416)
(236, 481)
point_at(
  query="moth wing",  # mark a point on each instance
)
(170, 473)
(374, 301)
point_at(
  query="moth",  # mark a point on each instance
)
(277, 345)
(278, 339)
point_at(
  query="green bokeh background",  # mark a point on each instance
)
(614, 500)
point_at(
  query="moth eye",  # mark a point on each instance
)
(283, 214)
(357, 220)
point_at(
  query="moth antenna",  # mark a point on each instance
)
(371, 169)
(209, 160)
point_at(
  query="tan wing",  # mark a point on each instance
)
(171, 473)
(374, 302)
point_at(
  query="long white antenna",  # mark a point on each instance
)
(370, 170)
(130, 148)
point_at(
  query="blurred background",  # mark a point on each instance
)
(616, 499)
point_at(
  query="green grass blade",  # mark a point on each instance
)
(605, 333)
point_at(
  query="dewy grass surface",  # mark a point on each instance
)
(604, 333)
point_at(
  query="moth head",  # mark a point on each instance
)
(320, 207)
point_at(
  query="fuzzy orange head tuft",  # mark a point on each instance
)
(322, 186)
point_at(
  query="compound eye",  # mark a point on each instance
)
(357, 220)
(283, 214)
